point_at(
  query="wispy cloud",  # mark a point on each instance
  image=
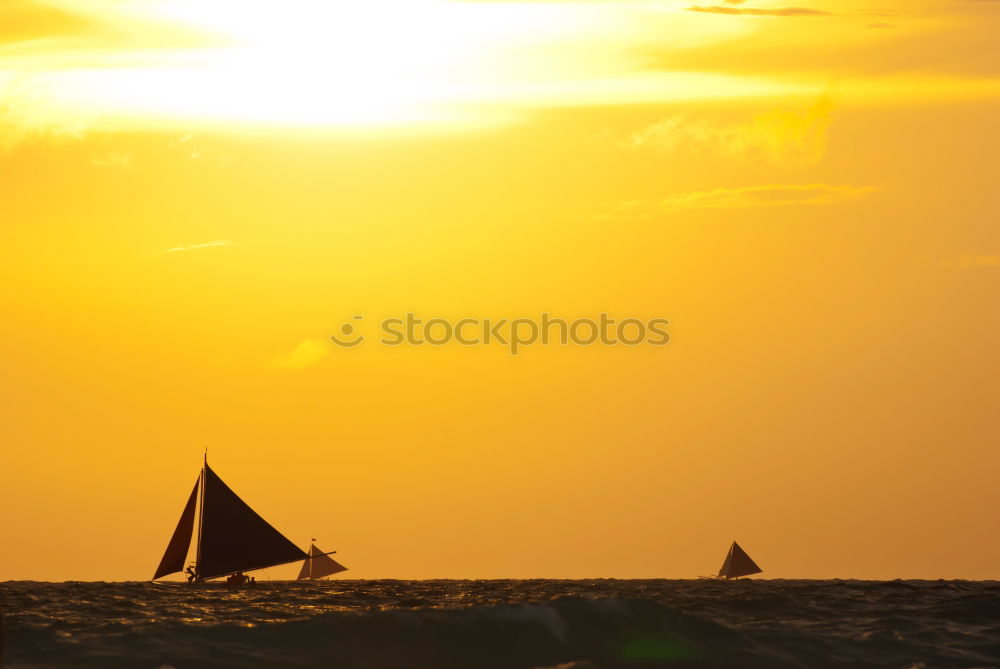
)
(306, 354)
(772, 195)
(775, 195)
(25, 20)
(973, 261)
(19, 123)
(113, 160)
(784, 138)
(206, 245)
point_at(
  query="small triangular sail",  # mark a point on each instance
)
(318, 565)
(234, 537)
(304, 572)
(180, 542)
(738, 563)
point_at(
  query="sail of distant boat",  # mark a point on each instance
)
(738, 563)
(231, 538)
(319, 565)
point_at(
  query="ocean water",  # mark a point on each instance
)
(504, 624)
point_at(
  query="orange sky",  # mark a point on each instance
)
(194, 195)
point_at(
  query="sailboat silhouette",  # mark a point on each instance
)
(737, 564)
(232, 537)
(319, 564)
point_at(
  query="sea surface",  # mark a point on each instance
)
(503, 624)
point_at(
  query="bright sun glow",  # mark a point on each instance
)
(311, 63)
(376, 63)
(321, 62)
(335, 62)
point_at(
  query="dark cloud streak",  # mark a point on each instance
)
(749, 11)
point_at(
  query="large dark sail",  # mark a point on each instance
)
(180, 542)
(738, 563)
(234, 538)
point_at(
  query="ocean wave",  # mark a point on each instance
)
(505, 625)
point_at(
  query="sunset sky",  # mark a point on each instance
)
(194, 194)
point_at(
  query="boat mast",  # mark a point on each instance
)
(309, 564)
(201, 515)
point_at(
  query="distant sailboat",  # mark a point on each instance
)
(232, 538)
(738, 563)
(319, 564)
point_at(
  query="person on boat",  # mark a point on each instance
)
(192, 574)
